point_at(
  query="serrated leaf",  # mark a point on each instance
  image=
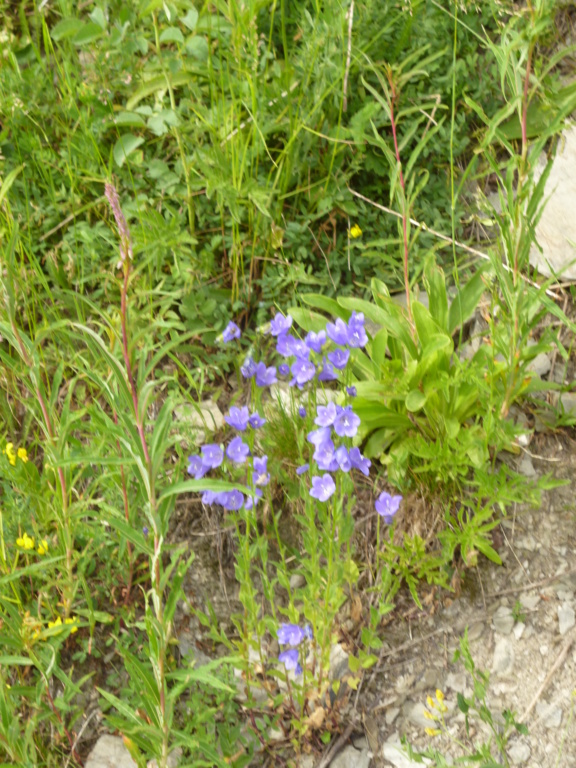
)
(125, 146)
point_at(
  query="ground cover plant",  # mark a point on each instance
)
(176, 178)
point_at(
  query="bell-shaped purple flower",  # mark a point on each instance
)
(280, 324)
(302, 371)
(212, 455)
(253, 498)
(248, 369)
(302, 412)
(237, 450)
(359, 461)
(324, 455)
(342, 457)
(283, 369)
(290, 660)
(231, 332)
(231, 500)
(265, 377)
(327, 373)
(290, 634)
(339, 358)
(387, 506)
(196, 467)
(315, 341)
(351, 391)
(261, 476)
(238, 418)
(356, 334)
(256, 421)
(347, 423)
(322, 487)
(318, 436)
(326, 415)
(304, 468)
(284, 344)
(338, 332)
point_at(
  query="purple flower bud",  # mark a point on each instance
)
(351, 391)
(280, 324)
(237, 450)
(322, 487)
(302, 412)
(283, 369)
(302, 469)
(253, 499)
(145, 530)
(238, 418)
(230, 332)
(387, 506)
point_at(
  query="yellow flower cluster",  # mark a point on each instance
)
(13, 454)
(355, 231)
(440, 708)
(58, 623)
(27, 542)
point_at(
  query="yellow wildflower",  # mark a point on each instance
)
(25, 542)
(440, 699)
(57, 623)
(42, 547)
(430, 701)
(11, 453)
(429, 715)
(72, 621)
(23, 454)
(433, 731)
(355, 231)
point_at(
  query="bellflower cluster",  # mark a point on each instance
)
(237, 452)
(292, 634)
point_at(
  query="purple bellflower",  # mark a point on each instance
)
(261, 476)
(256, 421)
(283, 369)
(290, 634)
(280, 324)
(231, 500)
(356, 334)
(237, 450)
(326, 415)
(238, 418)
(230, 332)
(322, 487)
(327, 373)
(196, 467)
(324, 455)
(387, 506)
(290, 660)
(338, 332)
(212, 455)
(339, 358)
(302, 469)
(302, 412)
(248, 369)
(315, 341)
(265, 377)
(284, 344)
(343, 459)
(346, 423)
(302, 371)
(253, 499)
(351, 390)
(359, 461)
(318, 436)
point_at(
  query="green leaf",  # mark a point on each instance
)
(88, 34)
(157, 83)
(415, 400)
(172, 35)
(465, 302)
(191, 19)
(66, 28)
(8, 181)
(330, 306)
(125, 146)
(463, 705)
(308, 320)
(20, 661)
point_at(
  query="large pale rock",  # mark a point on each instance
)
(556, 230)
(109, 752)
(206, 418)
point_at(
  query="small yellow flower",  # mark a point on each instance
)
(429, 715)
(73, 620)
(439, 695)
(433, 731)
(25, 542)
(430, 701)
(42, 547)
(11, 453)
(355, 231)
(57, 623)
(23, 454)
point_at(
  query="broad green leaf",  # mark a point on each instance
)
(157, 83)
(196, 486)
(377, 348)
(125, 146)
(172, 35)
(435, 282)
(308, 320)
(19, 661)
(415, 400)
(330, 306)
(191, 19)
(66, 28)
(465, 302)
(197, 46)
(88, 34)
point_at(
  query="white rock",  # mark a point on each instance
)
(530, 601)
(503, 621)
(395, 753)
(540, 365)
(556, 230)
(338, 662)
(205, 418)
(352, 757)
(172, 762)
(550, 715)
(503, 659)
(566, 618)
(519, 753)
(109, 752)
(416, 716)
(519, 629)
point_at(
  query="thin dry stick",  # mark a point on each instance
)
(333, 750)
(350, 15)
(559, 660)
(534, 585)
(325, 258)
(447, 239)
